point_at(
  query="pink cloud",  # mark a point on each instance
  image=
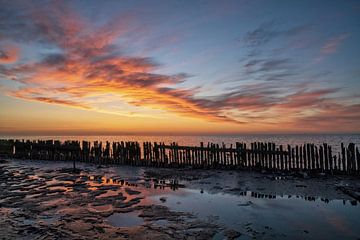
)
(333, 44)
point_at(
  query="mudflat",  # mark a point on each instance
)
(47, 200)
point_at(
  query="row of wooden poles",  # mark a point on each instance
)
(261, 156)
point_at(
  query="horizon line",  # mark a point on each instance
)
(88, 134)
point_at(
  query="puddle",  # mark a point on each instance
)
(130, 219)
(256, 216)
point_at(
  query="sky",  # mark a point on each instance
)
(179, 67)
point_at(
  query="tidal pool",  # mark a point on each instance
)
(275, 217)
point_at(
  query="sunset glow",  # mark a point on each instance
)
(93, 67)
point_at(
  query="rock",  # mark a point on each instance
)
(353, 192)
(245, 204)
(232, 234)
(304, 175)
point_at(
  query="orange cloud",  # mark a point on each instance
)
(8, 54)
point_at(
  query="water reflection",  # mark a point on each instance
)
(175, 185)
(151, 183)
(256, 214)
(306, 198)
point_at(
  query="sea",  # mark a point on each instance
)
(333, 140)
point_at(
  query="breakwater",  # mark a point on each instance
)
(254, 156)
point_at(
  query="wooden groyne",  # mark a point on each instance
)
(257, 155)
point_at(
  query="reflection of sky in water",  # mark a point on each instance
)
(292, 216)
(145, 188)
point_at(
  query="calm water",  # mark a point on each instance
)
(293, 139)
(282, 217)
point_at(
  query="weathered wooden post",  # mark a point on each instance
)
(309, 160)
(351, 150)
(269, 153)
(244, 154)
(326, 154)
(330, 159)
(281, 157)
(305, 157)
(321, 153)
(343, 159)
(313, 159)
(301, 166)
(289, 165)
(358, 160)
(274, 154)
(316, 158)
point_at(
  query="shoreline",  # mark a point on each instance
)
(45, 199)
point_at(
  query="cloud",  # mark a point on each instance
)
(86, 67)
(54, 101)
(333, 44)
(54, 59)
(332, 117)
(268, 31)
(305, 99)
(271, 69)
(267, 65)
(8, 54)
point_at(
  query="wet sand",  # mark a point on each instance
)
(46, 200)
